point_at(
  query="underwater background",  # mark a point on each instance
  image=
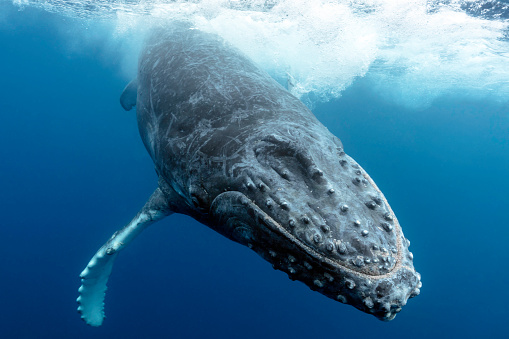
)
(417, 91)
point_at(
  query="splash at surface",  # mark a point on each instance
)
(410, 51)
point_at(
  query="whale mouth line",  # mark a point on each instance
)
(276, 227)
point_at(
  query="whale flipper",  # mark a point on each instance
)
(95, 276)
(129, 95)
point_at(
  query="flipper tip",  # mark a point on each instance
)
(93, 288)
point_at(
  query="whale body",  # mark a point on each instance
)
(236, 151)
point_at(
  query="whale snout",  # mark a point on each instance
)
(392, 293)
(318, 216)
(381, 293)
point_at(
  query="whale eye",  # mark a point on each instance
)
(198, 201)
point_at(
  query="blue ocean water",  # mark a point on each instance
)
(74, 170)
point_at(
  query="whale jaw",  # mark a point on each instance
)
(383, 295)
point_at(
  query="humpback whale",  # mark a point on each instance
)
(236, 151)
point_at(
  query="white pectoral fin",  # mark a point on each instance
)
(93, 287)
(95, 276)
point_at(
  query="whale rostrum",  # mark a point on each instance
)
(237, 152)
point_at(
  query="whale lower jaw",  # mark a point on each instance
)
(240, 219)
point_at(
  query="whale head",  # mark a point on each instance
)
(310, 210)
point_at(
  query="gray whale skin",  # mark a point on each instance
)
(237, 152)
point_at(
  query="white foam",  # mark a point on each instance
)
(409, 54)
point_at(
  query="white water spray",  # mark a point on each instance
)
(406, 51)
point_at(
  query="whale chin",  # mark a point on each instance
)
(242, 220)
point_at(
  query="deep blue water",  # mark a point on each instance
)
(73, 170)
